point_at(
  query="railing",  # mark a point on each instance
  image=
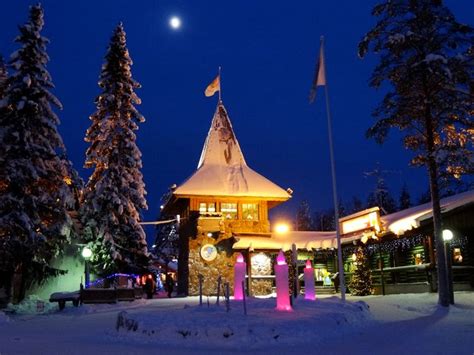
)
(261, 277)
(423, 273)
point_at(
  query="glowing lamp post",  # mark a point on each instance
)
(86, 254)
(240, 269)
(281, 279)
(309, 293)
(282, 228)
(447, 236)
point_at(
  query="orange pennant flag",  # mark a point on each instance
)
(213, 87)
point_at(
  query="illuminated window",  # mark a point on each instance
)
(250, 211)
(209, 207)
(418, 259)
(457, 255)
(229, 210)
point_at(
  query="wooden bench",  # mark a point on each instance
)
(138, 291)
(99, 295)
(62, 297)
(125, 294)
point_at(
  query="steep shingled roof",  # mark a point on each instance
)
(222, 170)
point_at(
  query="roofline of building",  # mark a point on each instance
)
(246, 197)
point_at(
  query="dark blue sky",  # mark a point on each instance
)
(267, 51)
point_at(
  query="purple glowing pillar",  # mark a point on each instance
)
(240, 268)
(281, 279)
(309, 293)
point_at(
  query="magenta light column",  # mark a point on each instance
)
(240, 269)
(281, 278)
(309, 293)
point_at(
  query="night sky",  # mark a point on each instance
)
(267, 51)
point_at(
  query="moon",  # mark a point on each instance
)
(175, 22)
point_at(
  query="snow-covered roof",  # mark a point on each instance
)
(397, 223)
(222, 170)
(402, 221)
(303, 240)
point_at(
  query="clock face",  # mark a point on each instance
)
(208, 252)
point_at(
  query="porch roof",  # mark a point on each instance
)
(400, 222)
(302, 239)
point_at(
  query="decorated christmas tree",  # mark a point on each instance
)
(361, 282)
(34, 193)
(115, 193)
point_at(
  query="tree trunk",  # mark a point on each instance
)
(443, 287)
(18, 285)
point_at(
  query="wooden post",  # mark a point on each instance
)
(245, 298)
(381, 269)
(449, 270)
(219, 279)
(200, 277)
(294, 261)
(249, 272)
(227, 295)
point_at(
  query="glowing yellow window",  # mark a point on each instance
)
(229, 210)
(207, 207)
(250, 211)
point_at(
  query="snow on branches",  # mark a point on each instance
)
(34, 195)
(115, 192)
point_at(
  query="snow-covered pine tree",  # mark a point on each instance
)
(115, 193)
(341, 209)
(404, 201)
(425, 197)
(166, 247)
(34, 197)
(3, 78)
(381, 197)
(356, 205)
(303, 217)
(361, 282)
(324, 220)
(427, 58)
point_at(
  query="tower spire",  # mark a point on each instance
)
(220, 85)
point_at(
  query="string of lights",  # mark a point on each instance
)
(100, 281)
(401, 244)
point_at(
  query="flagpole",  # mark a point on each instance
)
(334, 186)
(220, 85)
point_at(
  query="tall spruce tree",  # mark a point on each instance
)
(3, 78)
(381, 196)
(404, 201)
(34, 196)
(303, 217)
(425, 197)
(115, 193)
(356, 205)
(426, 57)
(361, 282)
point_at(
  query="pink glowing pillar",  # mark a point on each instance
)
(309, 293)
(240, 269)
(281, 278)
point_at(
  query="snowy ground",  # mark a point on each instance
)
(395, 324)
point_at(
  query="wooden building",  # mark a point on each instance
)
(401, 248)
(223, 199)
